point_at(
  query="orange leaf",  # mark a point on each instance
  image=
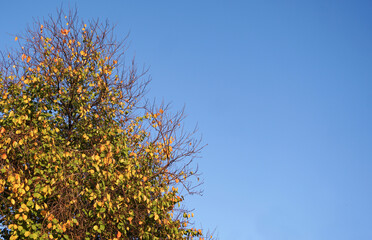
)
(16, 38)
(2, 130)
(28, 58)
(118, 235)
(64, 31)
(23, 57)
(4, 156)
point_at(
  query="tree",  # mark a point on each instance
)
(82, 154)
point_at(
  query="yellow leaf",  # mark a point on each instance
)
(102, 148)
(27, 233)
(24, 207)
(16, 38)
(12, 201)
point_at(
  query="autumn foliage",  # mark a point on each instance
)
(82, 154)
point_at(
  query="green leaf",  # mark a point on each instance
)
(33, 236)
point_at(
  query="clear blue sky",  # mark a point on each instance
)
(281, 91)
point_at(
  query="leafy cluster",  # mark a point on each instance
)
(82, 156)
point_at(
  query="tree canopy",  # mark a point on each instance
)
(83, 155)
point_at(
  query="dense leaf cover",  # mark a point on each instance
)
(82, 156)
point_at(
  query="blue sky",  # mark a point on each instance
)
(281, 92)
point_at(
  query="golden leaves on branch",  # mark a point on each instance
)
(125, 165)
